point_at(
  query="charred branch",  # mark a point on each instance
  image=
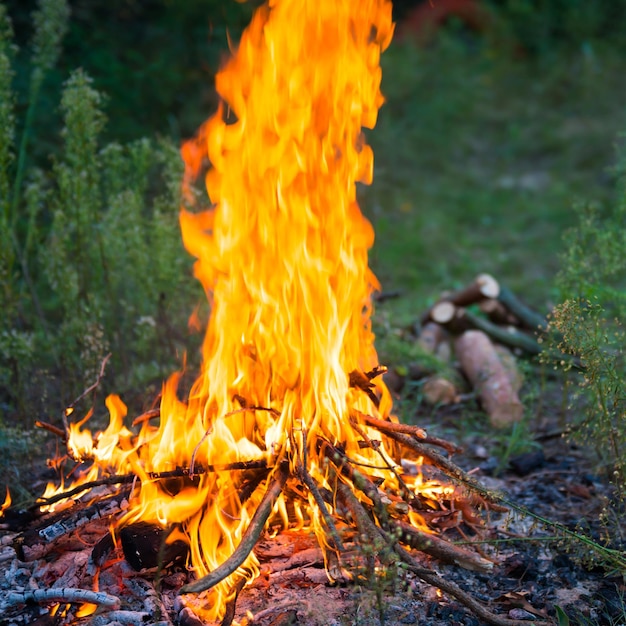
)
(248, 540)
(63, 595)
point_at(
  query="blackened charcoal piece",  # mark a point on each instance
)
(144, 546)
(102, 549)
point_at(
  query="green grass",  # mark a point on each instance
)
(479, 158)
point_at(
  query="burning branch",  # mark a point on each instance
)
(249, 539)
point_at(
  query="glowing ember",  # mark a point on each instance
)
(282, 255)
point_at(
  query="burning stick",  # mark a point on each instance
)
(249, 539)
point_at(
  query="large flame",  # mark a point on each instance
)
(282, 256)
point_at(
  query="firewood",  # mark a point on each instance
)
(443, 312)
(145, 546)
(443, 550)
(484, 286)
(128, 618)
(481, 364)
(62, 595)
(509, 336)
(497, 313)
(248, 540)
(37, 541)
(530, 319)
(308, 480)
(438, 390)
(509, 362)
(447, 586)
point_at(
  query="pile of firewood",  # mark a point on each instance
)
(481, 330)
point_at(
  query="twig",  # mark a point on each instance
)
(451, 588)
(359, 480)
(248, 540)
(68, 594)
(125, 479)
(70, 407)
(365, 524)
(147, 416)
(308, 480)
(408, 429)
(439, 548)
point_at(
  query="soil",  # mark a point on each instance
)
(535, 574)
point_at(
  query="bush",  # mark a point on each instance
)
(591, 320)
(91, 251)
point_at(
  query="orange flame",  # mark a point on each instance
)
(7, 502)
(282, 256)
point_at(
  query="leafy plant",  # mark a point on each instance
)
(591, 321)
(91, 249)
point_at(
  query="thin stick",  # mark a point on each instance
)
(452, 469)
(366, 526)
(440, 549)
(55, 430)
(125, 479)
(408, 429)
(68, 594)
(360, 481)
(147, 416)
(248, 540)
(70, 407)
(308, 480)
(432, 578)
(388, 465)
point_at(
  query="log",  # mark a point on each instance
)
(438, 390)
(484, 286)
(507, 336)
(497, 313)
(443, 312)
(481, 364)
(62, 595)
(509, 362)
(530, 319)
(431, 336)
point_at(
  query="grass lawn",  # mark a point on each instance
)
(480, 158)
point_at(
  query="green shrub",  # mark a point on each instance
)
(92, 259)
(591, 320)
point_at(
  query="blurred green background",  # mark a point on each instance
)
(495, 127)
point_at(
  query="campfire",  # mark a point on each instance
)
(289, 426)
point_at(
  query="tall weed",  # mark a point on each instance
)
(91, 258)
(591, 320)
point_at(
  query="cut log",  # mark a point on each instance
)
(443, 312)
(508, 336)
(509, 362)
(484, 286)
(431, 336)
(439, 390)
(482, 366)
(497, 313)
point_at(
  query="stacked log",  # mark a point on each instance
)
(483, 343)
